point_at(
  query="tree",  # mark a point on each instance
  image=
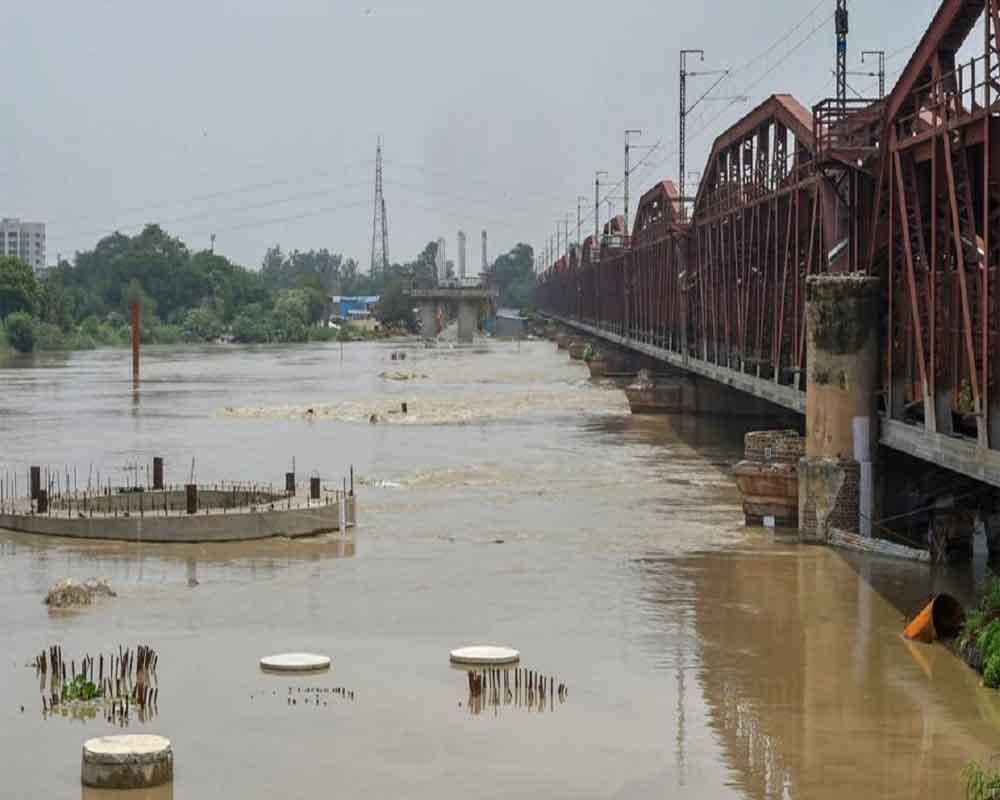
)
(395, 307)
(202, 324)
(514, 275)
(20, 329)
(18, 287)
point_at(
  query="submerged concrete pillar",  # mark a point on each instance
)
(468, 321)
(842, 351)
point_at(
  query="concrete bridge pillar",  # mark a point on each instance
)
(468, 320)
(428, 318)
(842, 344)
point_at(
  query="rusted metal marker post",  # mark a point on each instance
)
(136, 315)
(191, 490)
(36, 482)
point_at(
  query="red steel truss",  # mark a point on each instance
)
(904, 188)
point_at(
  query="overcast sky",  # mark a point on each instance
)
(257, 119)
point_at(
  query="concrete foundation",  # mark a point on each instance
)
(836, 473)
(127, 762)
(174, 525)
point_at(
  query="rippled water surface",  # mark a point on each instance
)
(517, 502)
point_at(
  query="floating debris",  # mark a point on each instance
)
(69, 593)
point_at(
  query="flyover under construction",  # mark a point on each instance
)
(840, 262)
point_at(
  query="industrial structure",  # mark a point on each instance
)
(840, 262)
(380, 222)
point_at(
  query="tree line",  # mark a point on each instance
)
(203, 296)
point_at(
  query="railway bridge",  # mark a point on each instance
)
(840, 262)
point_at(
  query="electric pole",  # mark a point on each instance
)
(842, 27)
(580, 200)
(685, 109)
(881, 69)
(566, 222)
(628, 133)
(597, 205)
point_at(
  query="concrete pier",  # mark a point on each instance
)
(842, 341)
(467, 300)
(127, 762)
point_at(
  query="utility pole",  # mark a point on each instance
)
(580, 200)
(628, 133)
(685, 109)
(682, 138)
(881, 69)
(597, 204)
(566, 222)
(842, 28)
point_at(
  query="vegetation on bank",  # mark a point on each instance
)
(981, 783)
(979, 642)
(201, 296)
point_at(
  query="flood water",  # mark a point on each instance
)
(517, 503)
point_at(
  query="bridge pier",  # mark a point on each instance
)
(836, 482)
(429, 318)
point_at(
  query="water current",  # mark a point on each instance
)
(516, 502)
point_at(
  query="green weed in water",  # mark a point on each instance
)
(81, 689)
(981, 783)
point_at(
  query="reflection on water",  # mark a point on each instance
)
(165, 792)
(810, 687)
(708, 661)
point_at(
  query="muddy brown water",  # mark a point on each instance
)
(702, 659)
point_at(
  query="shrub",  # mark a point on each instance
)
(20, 331)
(981, 783)
(990, 598)
(991, 671)
(48, 337)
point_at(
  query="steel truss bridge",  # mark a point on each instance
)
(906, 188)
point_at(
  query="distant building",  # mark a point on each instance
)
(352, 309)
(25, 240)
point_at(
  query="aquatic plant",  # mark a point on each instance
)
(981, 783)
(81, 689)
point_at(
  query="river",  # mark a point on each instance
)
(516, 502)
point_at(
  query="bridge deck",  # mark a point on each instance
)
(961, 454)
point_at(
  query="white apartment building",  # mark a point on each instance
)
(26, 240)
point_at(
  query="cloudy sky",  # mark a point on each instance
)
(257, 120)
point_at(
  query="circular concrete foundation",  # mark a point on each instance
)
(127, 762)
(295, 662)
(485, 655)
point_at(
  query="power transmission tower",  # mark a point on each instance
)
(380, 223)
(842, 28)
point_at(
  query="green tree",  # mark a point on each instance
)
(18, 287)
(395, 307)
(514, 276)
(291, 316)
(20, 329)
